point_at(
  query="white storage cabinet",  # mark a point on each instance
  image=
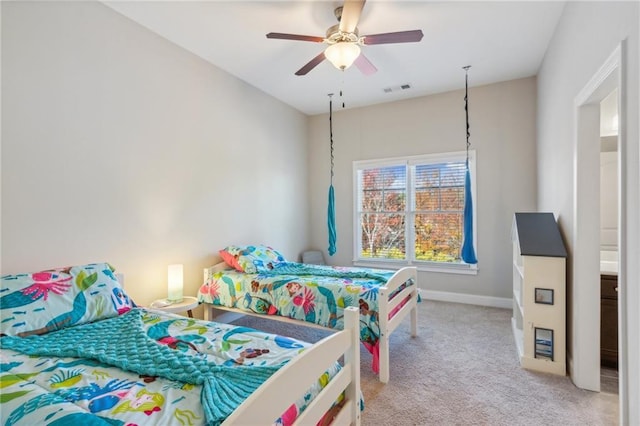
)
(539, 292)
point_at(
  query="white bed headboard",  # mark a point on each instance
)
(221, 266)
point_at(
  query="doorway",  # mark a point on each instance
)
(609, 228)
(585, 285)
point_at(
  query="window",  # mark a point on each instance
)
(410, 210)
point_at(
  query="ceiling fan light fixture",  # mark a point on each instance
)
(342, 54)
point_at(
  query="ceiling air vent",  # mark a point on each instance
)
(405, 86)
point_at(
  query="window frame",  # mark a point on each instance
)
(409, 212)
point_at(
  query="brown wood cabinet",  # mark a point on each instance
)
(609, 320)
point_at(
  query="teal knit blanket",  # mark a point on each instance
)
(122, 342)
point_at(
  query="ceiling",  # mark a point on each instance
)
(501, 41)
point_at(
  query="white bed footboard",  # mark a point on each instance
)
(393, 311)
(273, 398)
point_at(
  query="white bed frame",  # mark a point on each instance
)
(290, 382)
(385, 306)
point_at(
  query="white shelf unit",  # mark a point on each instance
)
(539, 272)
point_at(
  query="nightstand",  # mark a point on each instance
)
(188, 303)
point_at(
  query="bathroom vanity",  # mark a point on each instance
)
(609, 309)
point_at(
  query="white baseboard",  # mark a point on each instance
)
(570, 367)
(470, 299)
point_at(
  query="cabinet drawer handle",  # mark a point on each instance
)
(616, 289)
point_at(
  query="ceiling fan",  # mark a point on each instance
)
(344, 40)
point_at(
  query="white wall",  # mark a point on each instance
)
(587, 34)
(609, 172)
(502, 120)
(609, 201)
(117, 145)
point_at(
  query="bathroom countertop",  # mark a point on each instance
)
(609, 263)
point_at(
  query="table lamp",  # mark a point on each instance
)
(175, 283)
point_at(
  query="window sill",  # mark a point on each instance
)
(451, 268)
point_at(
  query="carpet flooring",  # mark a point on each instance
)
(462, 369)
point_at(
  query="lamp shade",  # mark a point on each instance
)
(175, 283)
(342, 54)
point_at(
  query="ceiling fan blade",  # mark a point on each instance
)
(311, 64)
(364, 65)
(399, 37)
(298, 37)
(351, 11)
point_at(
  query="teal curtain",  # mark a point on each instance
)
(331, 222)
(331, 208)
(468, 252)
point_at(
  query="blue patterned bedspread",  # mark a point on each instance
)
(312, 293)
(60, 390)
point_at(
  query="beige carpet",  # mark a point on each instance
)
(462, 369)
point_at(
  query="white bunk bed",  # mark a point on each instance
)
(392, 311)
(283, 388)
(275, 395)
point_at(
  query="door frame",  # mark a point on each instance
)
(584, 364)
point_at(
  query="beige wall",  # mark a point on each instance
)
(609, 201)
(117, 145)
(502, 120)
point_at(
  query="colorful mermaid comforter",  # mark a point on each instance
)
(312, 293)
(61, 390)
